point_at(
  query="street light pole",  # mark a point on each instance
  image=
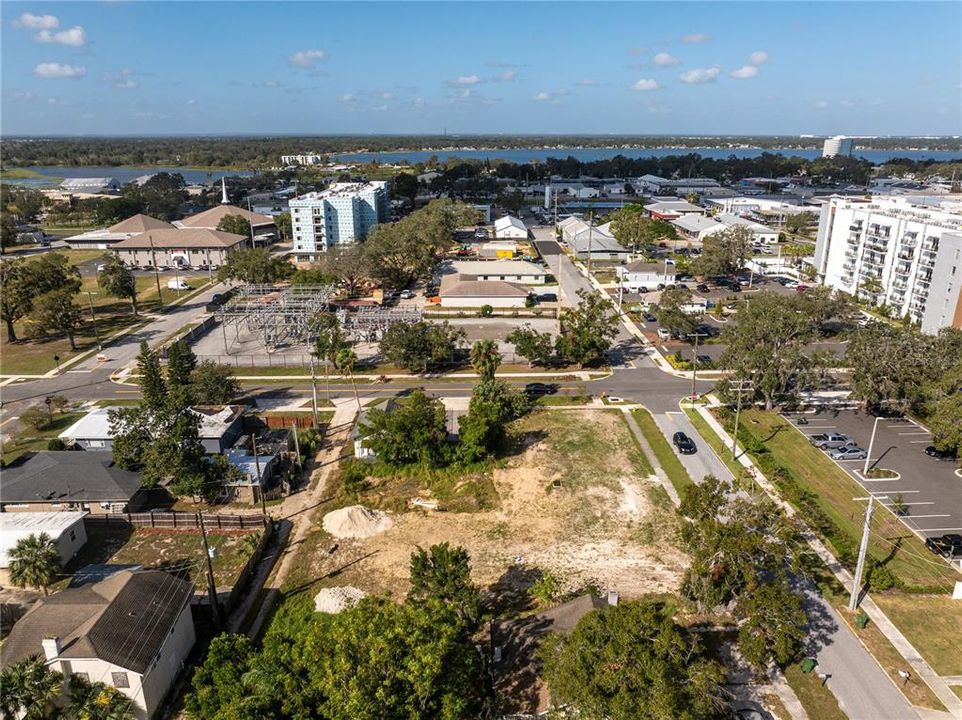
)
(742, 385)
(871, 444)
(694, 364)
(211, 587)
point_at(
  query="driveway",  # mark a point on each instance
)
(930, 488)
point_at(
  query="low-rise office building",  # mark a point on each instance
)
(179, 248)
(124, 230)
(910, 247)
(671, 209)
(642, 276)
(518, 271)
(459, 291)
(760, 233)
(264, 229)
(340, 215)
(510, 227)
(697, 227)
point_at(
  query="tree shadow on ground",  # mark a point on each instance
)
(510, 594)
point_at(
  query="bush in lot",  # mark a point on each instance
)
(880, 577)
(56, 444)
(354, 477)
(486, 311)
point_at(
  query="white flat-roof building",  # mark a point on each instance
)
(66, 529)
(340, 215)
(760, 233)
(509, 227)
(838, 145)
(124, 230)
(656, 185)
(518, 271)
(90, 185)
(642, 276)
(308, 159)
(697, 227)
(913, 250)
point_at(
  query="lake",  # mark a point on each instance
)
(53, 175)
(524, 155)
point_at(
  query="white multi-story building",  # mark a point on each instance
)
(838, 145)
(340, 215)
(913, 251)
(309, 159)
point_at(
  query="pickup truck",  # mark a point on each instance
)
(829, 441)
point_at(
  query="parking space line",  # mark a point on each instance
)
(903, 492)
(919, 517)
(914, 433)
(915, 442)
(942, 529)
(863, 479)
(925, 502)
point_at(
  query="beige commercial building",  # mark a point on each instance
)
(179, 248)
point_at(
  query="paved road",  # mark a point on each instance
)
(863, 690)
(701, 463)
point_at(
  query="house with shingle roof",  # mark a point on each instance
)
(131, 631)
(175, 247)
(265, 231)
(105, 238)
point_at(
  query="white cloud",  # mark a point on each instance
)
(745, 72)
(542, 97)
(306, 58)
(663, 59)
(37, 22)
(418, 102)
(467, 80)
(637, 51)
(508, 76)
(386, 95)
(59, 70)
(587, 83)
(695, 38)
(127, 84)
(700, 75)
(379, 108)
(644, 85)
(192, 102)
(759, 57)
(24, 95)
(821, 104)
(74, 37)
(348, 99)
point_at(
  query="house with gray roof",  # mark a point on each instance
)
(132, 631)
(63, 480)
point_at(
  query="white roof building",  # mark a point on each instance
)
(510, 227)
(66, 529)
(90, 185)
(760, 233)
(520, 271)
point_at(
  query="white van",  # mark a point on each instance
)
(177, 285)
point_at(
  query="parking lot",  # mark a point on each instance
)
(929, 486)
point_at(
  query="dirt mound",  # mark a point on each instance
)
(356, 521)
(335, 599)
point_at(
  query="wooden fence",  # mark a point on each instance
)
(174, 520)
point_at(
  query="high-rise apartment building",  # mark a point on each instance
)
(899, 251)
(340, 215)
(838, 145)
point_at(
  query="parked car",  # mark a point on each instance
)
(481, 233)
(791, 285)
(704, 359)
(177, 285)
(101, 267)
(537, 389)
(650, 318)
(948, 546)
(735, 288)
(702, 288)
(664, 334)
(802, 288)
(828, 441)
(933, 451)
(849, 452)
(685, 445)
(406, 294)
(548, 297)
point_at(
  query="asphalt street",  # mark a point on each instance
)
(703, 461)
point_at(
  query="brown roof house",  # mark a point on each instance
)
(182, 248)
(518, 685)
(264, 228)
(132, 631)
(465, 291)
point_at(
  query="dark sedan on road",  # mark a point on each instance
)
(933, 451)
(537, 389)
(685, 445)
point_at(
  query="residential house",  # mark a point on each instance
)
(760, 233)
(132, 631)
(179, 248)
(66, 529)
(642, 276)
(260, 471)
(672, 209)
(516, 667)
(585, 240)
(510, 227)
(56, 481)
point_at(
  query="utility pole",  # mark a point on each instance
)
(93, 319)
(590, 228)
(694, 364)
(561, 298)
(211, 587)
(742, 385)
(297, 444)
(250, 220)
(314, 391)
(862, 549)
(260, 480)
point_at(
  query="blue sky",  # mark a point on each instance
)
(578, 67)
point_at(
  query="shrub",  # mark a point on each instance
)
(35, 417)
(486, 311)
(354, 477)
(880, 577)
(56, 444)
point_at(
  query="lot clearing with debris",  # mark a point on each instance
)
(575, 497)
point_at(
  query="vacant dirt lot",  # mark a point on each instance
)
(577, 499)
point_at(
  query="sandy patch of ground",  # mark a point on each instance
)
(573, 502)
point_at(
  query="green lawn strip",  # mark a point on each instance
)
(957, 689)
(663, 453)
(553, 400)
(117, 402)
(638, 457)
(31, 440)
(823, 494)
(818, 700)
(715, 442)
(932, 623)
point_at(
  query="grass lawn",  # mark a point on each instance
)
(553, 400)
(818, 700)
(915, 691)
(169, 549)
(789, 459)
(932, 623)
(31, 440)
(714, 441)
(957, 689)
(663, 453)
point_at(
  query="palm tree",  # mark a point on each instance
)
(28, 687)
(34, 561)
(96, 701)
(485, 359)
(345, 360)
